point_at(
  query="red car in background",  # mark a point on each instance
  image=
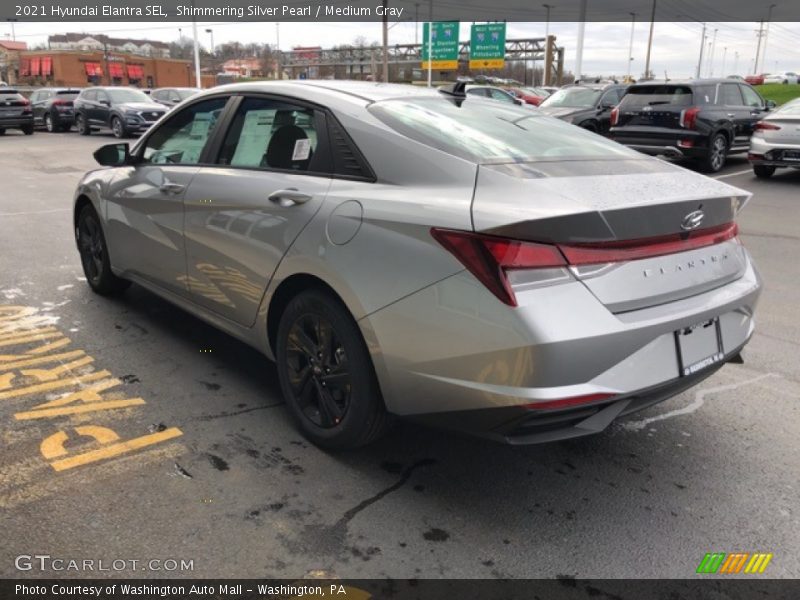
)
(528, 95)
(755, 79)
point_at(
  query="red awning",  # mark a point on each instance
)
(115, 70)
(36, 65)
(25, 67)
(47, 66)
(93, 69)
(135, 72)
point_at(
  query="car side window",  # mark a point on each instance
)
(181, 139)
(174, 97)
(500, 95)
(272, 134)
(103, 97)
(90, 95)
(751, 97)
(611, 97)
(35, 97)
(730, 95)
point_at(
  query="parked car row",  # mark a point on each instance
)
(123, 111)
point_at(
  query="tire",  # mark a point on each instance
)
(65, 127)
(83, 126)
(763, 171)
(2, 131)
(118, 128)
(588, 127)
(49, 124)
(330, 388)
(717, 154)
(27, 129)
(94, 255)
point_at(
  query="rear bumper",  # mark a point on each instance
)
(453, 355)
(13, 122)
(523, 426)
(662, 142)
(772, 155)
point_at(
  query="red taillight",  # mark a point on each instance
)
(567, 402)
(62, 103)
(489, 257)
(764, 126)
(614, 116)
(620, 251)
(24, 102)
(689, 117)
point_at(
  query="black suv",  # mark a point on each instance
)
(702, 120)
(15, 111)
(123, 110)
(173, 96)
(52, 108)
(585, 105)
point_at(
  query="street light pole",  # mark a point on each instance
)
(630, 47)
(385, 73)
(581, 33)
(702, 47)
(712, 48)
(650, 41)
(724, 56)
(279, 73)
(430, 43)
(198, 82)
(766, 36)
(210, 32)
(547, 59)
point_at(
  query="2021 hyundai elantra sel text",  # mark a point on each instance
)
(407, 252)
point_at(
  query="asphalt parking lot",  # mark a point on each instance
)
(197, 460)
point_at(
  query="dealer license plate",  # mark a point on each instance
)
(699, 346)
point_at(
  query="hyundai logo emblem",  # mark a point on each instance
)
(693, 220)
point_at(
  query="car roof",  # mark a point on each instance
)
(355, 92)
(690, 82)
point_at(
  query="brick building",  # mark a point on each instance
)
(87, 42)
(9, 60)
(81, 69)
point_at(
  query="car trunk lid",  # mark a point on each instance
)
(603, 208)
(660, 105)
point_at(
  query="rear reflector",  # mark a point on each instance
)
(489, 258)
(568, 402)
(624, 250)
(614, 116)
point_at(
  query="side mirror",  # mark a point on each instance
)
(771, 104)
(113, 155)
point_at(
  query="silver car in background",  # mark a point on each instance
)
(776, 140)
(415, 253)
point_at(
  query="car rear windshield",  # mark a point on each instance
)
(485, 132)
(574, 97)
(10, 95)
(674, 95)
(123, 95)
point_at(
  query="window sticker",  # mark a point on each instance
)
(302, 150)
(256, 133)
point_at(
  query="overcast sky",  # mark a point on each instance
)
(676, 46)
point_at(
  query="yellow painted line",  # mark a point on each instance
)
(39, 360)
(53, 374)
(19, 332)
(90, 393)
(741, 562)
(44, 413)
(53, 446)
(763, 566)
(755, 563)
(51, 346)
(116, 449)
(29, 338)
(5, 380)
(53, 385)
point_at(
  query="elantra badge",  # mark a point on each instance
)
(693, 220)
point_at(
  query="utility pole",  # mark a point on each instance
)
(650, 41)
(198, 81)
(760, 34)
(416, 23)
(278, 68)
(385, 70)
(581, 33)
(702, 47)
(724, 56)
(630, 47)
(210, 32)
(547, 59)
(430, 43)
(766, 36)
(712, 48)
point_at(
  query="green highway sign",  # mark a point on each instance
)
(487, 46)
(444, 45)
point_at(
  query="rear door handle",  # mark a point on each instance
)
(171, 188)
(288, 197)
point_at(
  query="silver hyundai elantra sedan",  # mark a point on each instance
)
(416, 253)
